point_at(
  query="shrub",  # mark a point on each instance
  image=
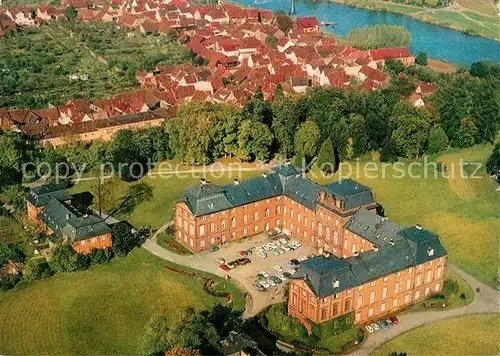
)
(100, 255)
(9, 281)
(462, 296)
(124, 240)
(66, 259)
(283, 325)
(333, 326)
(36, 269)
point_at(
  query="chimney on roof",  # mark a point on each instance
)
(375, 248)
(430, 251)
(236, 182)
(391, 241)
(203, 181)
(336, 283)
(68, 216)
(418, 226)
(264, 175)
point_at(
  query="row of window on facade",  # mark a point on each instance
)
(93, 240)
(372, 310)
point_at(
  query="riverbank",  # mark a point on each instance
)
(456, 16)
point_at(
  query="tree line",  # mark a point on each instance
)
(464, 111)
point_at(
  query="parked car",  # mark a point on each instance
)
(271, 282)
(291, 264)
(287, 275)
(277, 243)
(265, 284)
(265, 274)
(243, 253)
(394, 319)
(278, 268)
(302, 258)
(220, 260)
(383, 324)
(273, 245)
(259, 287)
(276, 279)
(260, 278)
(291, 272)
(280, 251)
(297, 243)
(243, 261)
(292, 246)
(260, 249)
(232, 264)
(261, 254)
(275, 252)
(267, 247)
(224, 267)
(389, 323)
(213, 248)
(249, 251)
(282, 277)
(369, 328)
(286, 248)
(375, 326)
(283, 241)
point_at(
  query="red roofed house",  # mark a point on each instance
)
(308, 24)
(375, 75)
(401, 53)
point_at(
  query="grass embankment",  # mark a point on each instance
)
(467, 335)
(168, 242)
(100, 311)
(158, 211)
(463, 212)
(473, 17)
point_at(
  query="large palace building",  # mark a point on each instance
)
(368, 265)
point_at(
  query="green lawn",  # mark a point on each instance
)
(158, 210)
(382, 6)
(165, 237)
(458, 21)
(483, 6)
(464, 212)
(99, 311)
(467, 335)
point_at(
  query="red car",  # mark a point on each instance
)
(394, 320)
(243, 253)
(224, 267)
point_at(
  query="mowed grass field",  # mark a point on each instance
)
(483, 6)
(463, 212)
(166, 189)
(100, 311)
(467, 335)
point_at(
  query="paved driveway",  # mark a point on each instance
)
(243, 276)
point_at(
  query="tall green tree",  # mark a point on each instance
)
(326, 157)
(286, 118)
(438, 141)
(351, 136)
(156, 339)
(254, 141)
(421, 58)
(257, 109)
(493, 163)
(411, 129)
(306, 139)
(225, 130)
(467, 133)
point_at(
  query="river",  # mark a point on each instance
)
(439, 42)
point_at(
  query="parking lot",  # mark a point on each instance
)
(247, 275)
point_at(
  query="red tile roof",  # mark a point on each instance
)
(307, 22)
(383, 53)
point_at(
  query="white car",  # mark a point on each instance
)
(278, 268)
(265, 284)
(261, 254)
(375, 326)
(369, 328)
(220, 260)
(302, 258)
(271, 282)
(283, 241)
(277, 243)
(272, 246)
(286, 248)
(265, 274)
(260, 249)
(282, 277)
(292, 246)
(267, 247)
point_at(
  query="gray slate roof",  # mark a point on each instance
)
(410, 247)
(379, 231)
(66, 220)
(41, 195)
(285, 180)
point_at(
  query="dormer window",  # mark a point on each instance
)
(336, 283)
(430, 251)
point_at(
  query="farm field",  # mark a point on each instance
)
(35, 63)
(467, 335)
(483, 6)
(463, 212)
(100, 311)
